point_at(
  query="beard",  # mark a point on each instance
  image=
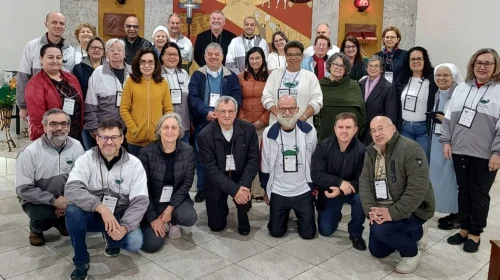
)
(287, 122)
(58, 140)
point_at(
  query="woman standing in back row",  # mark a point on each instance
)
(392, 55)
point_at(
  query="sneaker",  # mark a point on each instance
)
(449, 226)
(408, 265)
(199, 197)
(80, 272)
(111, 252)
(358, 243)
(258, 199)
(244, 230)
(422, 243)
(174, 232)
(470, 246)
(446, 219)
(61, 227)
(456, 239)
(37, 239)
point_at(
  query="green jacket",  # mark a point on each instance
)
(407, 178)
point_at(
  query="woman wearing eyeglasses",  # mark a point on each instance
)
(146, 97)
(178, 81)
(393, 56)
(276, 58)
(470, 137)
(341, 94)
(416, 87)
(351, 47)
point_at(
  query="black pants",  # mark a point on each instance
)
(42, 217)
(217, 210)
(184, 215)
(303, 207)
(474, 183)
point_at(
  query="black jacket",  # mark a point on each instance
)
(212, 156)
(383, 101)
(82, 72)
(152, 158)
(206, 37)
(132, 48)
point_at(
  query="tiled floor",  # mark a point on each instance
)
(202, 254)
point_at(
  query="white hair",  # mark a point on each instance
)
(113, 41)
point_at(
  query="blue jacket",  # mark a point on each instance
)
(397, 62)
(82, 72)
(197, 108)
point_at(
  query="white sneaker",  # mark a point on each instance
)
(408, 265)
(422, 243)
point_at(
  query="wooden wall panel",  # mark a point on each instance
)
(131, 7)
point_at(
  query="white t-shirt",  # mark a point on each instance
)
(289, 184)
(291, 81)
(415, 87)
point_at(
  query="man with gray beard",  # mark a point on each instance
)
(42, 170)
(287, 147)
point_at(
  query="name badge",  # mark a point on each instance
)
(118, 98)
(381, 189)
(69, 106)
(389, 76)
(176, 96)
(410, 103)
(213, 99)
(437, 128)
(166, 193)
(290, 163)
(110, 202)
(283, 91)
(230, 164)
(467, 116)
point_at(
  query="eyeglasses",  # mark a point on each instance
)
(290, 55)
(96, 48)
(416, 59)
(147, 62)
(487, 64)
(350, 47)
(57, 124)
(130, 26)
(114, 138)
(338, 66)
(168, 54)
(290, 109)
(379, 129)
(322, 45)
(173, 127)
(442, 76)
(224, 112)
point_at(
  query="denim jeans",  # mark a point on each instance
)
(199, 167)
(79, 222)
(134, 149)
(88, 140)
(185, 138)
(330, 213)
(417, 131)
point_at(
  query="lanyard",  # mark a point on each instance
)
(283, 144)
(472, 102)
(107, 182)
(178, 82)
(418, 92)
(292, 80)
(208, 81)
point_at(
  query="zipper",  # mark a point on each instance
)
(148, 109)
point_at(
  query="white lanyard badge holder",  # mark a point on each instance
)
(290, 160)
(410, 103)
(468, 114)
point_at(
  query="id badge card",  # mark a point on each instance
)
(283, 92)
(467, 116)
(290, 163)
(69, 106)
(213, 99)
(389, 76)
(437, 128)
(410, 103)
(110, 202)
(166, 194)
(230, 164)
(176, 96)
(118, 98)
(381, 189)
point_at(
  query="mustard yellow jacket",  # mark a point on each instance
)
(141, 107)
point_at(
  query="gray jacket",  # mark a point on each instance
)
(180, 80)
(90, 180)
(42, 170)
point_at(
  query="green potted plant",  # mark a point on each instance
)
(7, 104)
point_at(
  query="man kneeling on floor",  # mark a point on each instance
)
(107, 192)
(287, 147)
(396, 192)
(336, 166)
(42, 169)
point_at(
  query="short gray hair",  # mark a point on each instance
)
(225, 99)
(112, 41)
(54, 111)
(374, 58)
(175, 116)
(214, 46)
(345, 61)
(218, 12)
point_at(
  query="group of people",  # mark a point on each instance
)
(307, 130)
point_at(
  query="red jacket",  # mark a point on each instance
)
(41, 95)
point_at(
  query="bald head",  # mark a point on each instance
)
(56, 24)
(382, 130)
(323, 29)
(131, 28)
(287, 101)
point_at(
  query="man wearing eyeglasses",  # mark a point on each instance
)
(42, 169)
(287, 147)
(335, 169)
(322, 29)
(107, 192)
(396, 194)
(229, 153)
(316, 63)
(133, 42)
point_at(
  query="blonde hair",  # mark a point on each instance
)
(85, 25)
(495, 76)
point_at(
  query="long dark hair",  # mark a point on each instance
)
(136, 74)
(262, 74)
(428, 70)
(173, 45)
(355, 41)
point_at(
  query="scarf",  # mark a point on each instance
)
(389, 56)
(369, 86)
(320, 64)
